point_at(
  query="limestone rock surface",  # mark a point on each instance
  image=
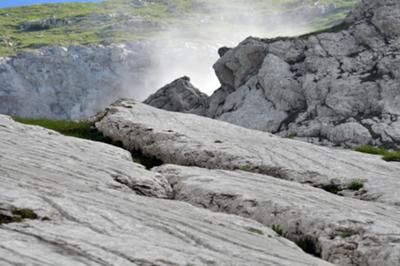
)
(192, 140)
(341, 230)
(87, 216)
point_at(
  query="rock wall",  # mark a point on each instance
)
(338, 87)
(72, 82)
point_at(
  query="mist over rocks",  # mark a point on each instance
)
(70, 82)
(338, 87)
(77, 81)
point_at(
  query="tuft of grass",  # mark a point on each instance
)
(370, 149)
(389, 156)
(393, 156)
(255, 231)
(356, 185)
(278, 229)
(346, 232)
(246, 168)
(86, 130)
(25, 213)
(78, 129)
(332, 188)
(18, 215)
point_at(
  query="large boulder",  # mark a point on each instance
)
(180, 96)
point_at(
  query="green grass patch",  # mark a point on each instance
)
(87, 130)
(17, 215)
(370, 149)
(278, 229)
(393, 156)
(255, 231)
(390, 156)
(78, 129)
(346, 232)
(93, 22)
(356, 185)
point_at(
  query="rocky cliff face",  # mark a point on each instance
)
(338, 87)
(70, 82)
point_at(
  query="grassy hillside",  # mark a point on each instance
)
(82, 23)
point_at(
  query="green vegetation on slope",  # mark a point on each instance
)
(83, 23)
(390, 156)
(85, 130)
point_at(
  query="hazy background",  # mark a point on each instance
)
(190, 47)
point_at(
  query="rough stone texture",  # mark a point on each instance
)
(192, 140)
(180, 96)
(339, 87)
(71, 82)
(86, 217)
(343, 231)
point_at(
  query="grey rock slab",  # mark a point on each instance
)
(342, 230)
(86, 217)
(191, 140)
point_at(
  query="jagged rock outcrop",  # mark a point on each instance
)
(192, 140)
(180, 96)
(338, 87)
(338, 229)
(64, 201)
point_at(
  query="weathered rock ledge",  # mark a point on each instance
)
(338, 229)
(192, 140)
(86, 216)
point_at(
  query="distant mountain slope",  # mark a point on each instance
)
(126, 20)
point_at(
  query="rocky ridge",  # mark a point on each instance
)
(337, 88)
(339, 205)
(93, 205)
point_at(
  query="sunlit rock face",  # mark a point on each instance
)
(282, 183)
(338, 87)
(91, 205)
